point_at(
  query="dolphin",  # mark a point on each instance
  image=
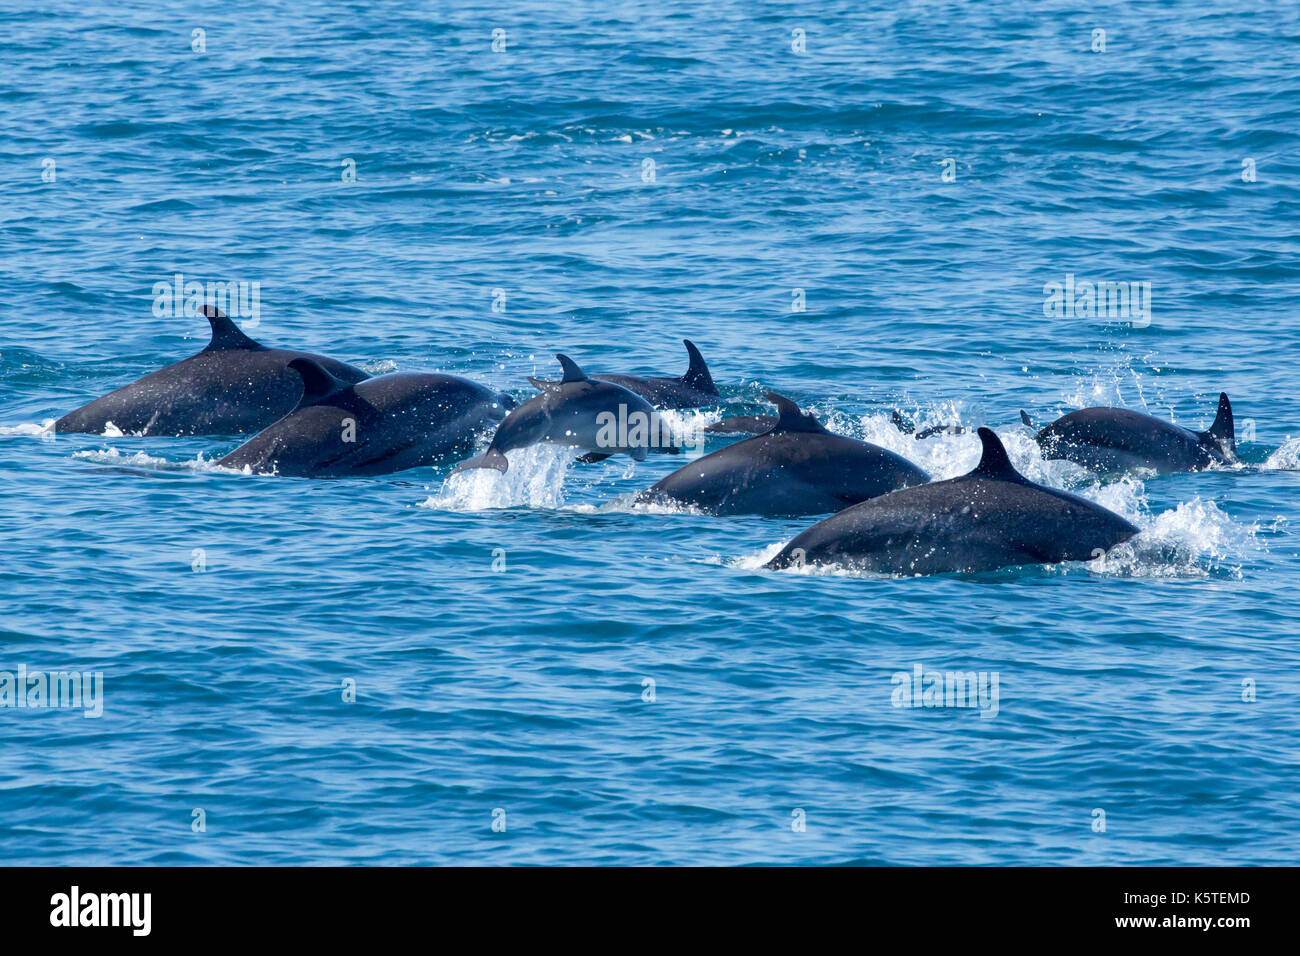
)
(1116, 439)
(908, 427)
(743, 425)
(375, 427)
(596, 417)
(693, 389)
(992, 517)
(796, 468)
(233, 386)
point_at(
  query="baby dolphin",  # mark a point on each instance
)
(693, 389)
(992, 517)
(796, 468)
(1116, 439)
(596, 417)
(232, 387)
(375, 427)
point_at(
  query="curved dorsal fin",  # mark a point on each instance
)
(995, 463)
(226, 334)
(1223, 431)
(792, 418)
(572, 371)
(697, 375)
(317, 384)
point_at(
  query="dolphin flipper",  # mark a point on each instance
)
(1029, 422)
(904, 425)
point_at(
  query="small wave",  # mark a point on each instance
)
(44, 431)
(1286, 458)
(535, 479)
(1195, 539)
(140, 459)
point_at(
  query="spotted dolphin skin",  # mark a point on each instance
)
(693, 389)
(375, 427)
(234, 386)
(1117, 439)
(992, 517)
(594, 417)
(795, 468)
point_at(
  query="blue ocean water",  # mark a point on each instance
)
(543, 673)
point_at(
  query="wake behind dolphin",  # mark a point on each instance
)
(992, 517)
(232, 387)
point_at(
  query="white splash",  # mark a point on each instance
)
(140, 459)
(1286, 458)
(44, 430)
(535, 479)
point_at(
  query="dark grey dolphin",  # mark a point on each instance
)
(693, 389)
(595, 417)
(992, 517)
(796, 468)
(1116, 439)
(232, 387)
(374, 427)
(743, 425)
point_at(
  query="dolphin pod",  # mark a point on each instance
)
(795, 468)
(375, 427)
(232, 387)
(316, 417)
(992, 517)
(1115, 439)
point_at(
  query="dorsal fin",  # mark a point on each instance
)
(572, 371)
(317, 384)
(792, 418)
(226, 334)
(1223, 430)
(995, 463)
(697, 375)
